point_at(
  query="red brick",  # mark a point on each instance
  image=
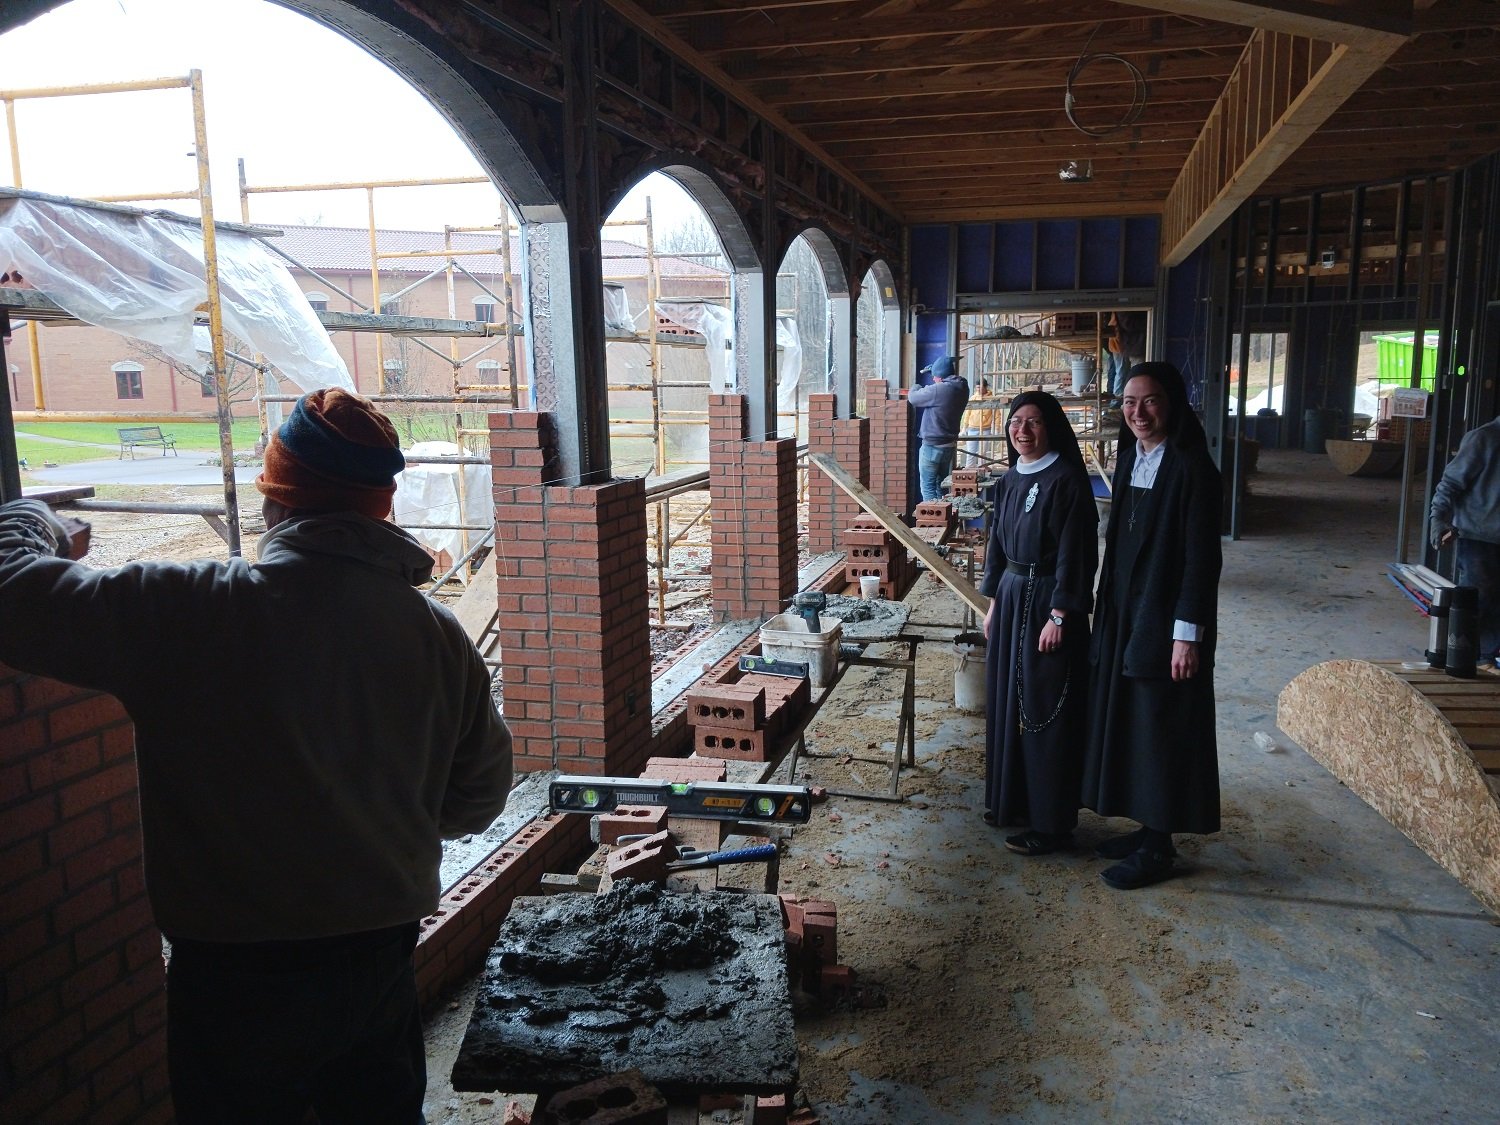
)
(645, 859)
(742, 745)
(630, 820)
(728, 706)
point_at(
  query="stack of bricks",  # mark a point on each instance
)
(742, 718)
(812, 947)
(574, 621)
(875, 551)
(847, 441)
(753, 494)
(965, 482)
(936, 521)
(893, 429)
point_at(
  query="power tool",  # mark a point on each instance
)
(808, 605)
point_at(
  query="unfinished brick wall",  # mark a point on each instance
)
(753, 497)
(829, 508)
(82, 981)
(893, 442)
(575, 641)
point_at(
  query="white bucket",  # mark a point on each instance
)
(786, 637)
(1083, 372)
(869, 586)
(968, 673)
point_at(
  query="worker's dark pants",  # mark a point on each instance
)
(257, 1034)
(1479, 566)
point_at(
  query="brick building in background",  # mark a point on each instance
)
(91, 370)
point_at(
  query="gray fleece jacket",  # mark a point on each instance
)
(1467, 499)
(308, 727)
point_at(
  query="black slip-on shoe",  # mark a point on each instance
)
(1032, 842)
(990, 818)
(1118, 847)
(1141, 868)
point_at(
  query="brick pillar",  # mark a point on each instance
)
(753, 497)
(851, 445)
(892, 442)
(575, 636)
(84, 1035)
(822, 529)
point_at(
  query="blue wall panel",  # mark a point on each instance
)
(974, 265)
(1015, 248)
(1057, 254)
(1100, 267)
(929, 276)
(1142, 251)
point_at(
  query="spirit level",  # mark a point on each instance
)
(706, 800)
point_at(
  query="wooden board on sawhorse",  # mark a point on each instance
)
(892, 522)
(906, 737)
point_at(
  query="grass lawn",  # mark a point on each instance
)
(99, 440)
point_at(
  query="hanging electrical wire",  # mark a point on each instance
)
(1138, 97)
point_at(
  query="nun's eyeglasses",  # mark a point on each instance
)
(1027, 424)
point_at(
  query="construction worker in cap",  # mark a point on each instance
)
(309, 728)
(943, 402)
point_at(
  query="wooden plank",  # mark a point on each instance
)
(477, 608)
(1352, 23)
(904, 535)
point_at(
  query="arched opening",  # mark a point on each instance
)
(813, 338)
(877, 332)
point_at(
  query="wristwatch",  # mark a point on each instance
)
(1055, 618)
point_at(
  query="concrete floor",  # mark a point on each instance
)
(1312, 963)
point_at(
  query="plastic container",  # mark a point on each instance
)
(787, 637)
(968, 673)
(869, 586)
(1083, 372)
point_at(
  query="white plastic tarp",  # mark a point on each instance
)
(788, 363)
(429, 494)
(716, 326)
(142, 275)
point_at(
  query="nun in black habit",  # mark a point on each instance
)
(1152, 752)
(1039, 571)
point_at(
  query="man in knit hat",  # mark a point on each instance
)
(309, 728)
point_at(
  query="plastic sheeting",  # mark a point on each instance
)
(716, 326)
(617, 315)
(141, 275)
(788, 364)
(429, 494)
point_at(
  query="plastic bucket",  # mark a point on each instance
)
(1083, 372)
(786, 637)
(968, 673)
(869, 586)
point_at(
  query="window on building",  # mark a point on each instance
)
(391, 306)
(484, 309)
(206, 382)
(128, 380)
(489, 372)
(318, 301)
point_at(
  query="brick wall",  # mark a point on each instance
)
(575, 640)
(892, 445)
(82, 982)
(847, 440)
(753, 497)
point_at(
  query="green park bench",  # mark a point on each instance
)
(132, 436)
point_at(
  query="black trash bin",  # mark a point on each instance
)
(1267, 429)
(1320, 425)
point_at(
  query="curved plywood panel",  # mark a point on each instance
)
(1422, 748)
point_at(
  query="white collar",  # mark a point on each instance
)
(1026, 468)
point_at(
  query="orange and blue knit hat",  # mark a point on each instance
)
(335, 453)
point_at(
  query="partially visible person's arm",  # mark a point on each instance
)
(923, 396)
(480, 781)
(1456, 481)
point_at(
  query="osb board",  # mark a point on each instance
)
(1393, 747)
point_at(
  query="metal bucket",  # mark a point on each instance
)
(968, 673)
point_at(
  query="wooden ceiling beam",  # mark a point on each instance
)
(1100, 207)
(1046, 75)
(1283, 89)
(778, 68)
(823, 29)
(1187, 101)
(1172, 125)
(1337, 21)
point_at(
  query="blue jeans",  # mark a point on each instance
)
(933, 464)
(259, 1033)
(1479, 566)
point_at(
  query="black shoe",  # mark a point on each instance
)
(1140, 868)
(1032, 842)
(990, 818)
(1118, 847)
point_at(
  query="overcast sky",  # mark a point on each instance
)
(299, 103)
